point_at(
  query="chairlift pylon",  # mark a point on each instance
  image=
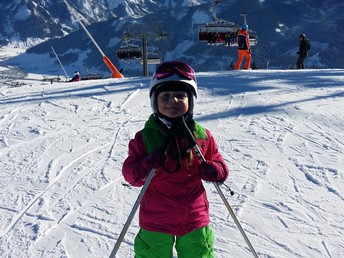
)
(153, 56)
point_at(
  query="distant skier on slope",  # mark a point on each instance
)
(244, 48)
(76, 77)
(174, 209)
(303, 51)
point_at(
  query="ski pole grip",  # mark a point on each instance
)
(190, 137)
(188, 134)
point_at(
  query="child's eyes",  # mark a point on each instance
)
(180, 96)
(167, 96)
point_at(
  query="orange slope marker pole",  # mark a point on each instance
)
(109, 64)
(112, 67)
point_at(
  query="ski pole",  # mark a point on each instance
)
(192, 140)
(293, 62)
(132, 214)
(229, 208)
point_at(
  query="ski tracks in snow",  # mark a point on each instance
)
(87, 172)
(63, 145)
(288, 136)
(291, 142)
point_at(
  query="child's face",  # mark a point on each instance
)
(173, 103)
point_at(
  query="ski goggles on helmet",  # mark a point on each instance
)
(171, 67)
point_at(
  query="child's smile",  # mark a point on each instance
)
(173, 103)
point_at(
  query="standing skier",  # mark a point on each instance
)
(303, 51)
(244, 48)
(174, 209)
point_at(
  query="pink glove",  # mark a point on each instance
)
(211, 171)
(152, 160)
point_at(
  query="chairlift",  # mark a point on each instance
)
(153, 58)
(218, 32)
(253, 39)
(221, 32)
(129, 51)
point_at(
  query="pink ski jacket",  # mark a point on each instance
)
(174, 203)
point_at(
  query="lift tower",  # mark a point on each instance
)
(144, 32)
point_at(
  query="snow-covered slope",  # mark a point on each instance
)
(62, 146)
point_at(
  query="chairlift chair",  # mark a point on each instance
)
(153, 58)
(218, 32)
(129, 51)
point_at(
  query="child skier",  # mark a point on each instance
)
(174, 209)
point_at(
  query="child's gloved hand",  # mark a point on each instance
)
(210, 171)
(153, 160)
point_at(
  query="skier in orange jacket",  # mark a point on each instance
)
(244, 48)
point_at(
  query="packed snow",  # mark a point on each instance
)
(62, 146)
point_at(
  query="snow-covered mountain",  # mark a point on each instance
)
(277, 23)
(25, 22)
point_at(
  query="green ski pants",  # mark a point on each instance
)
(196, 244)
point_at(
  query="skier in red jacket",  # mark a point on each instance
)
(174, 209)
(244, 48)
(76, 77)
